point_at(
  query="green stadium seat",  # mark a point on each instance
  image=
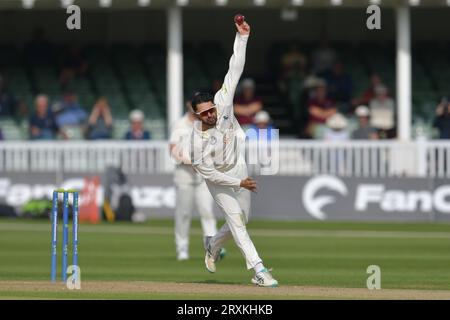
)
(121, 126)
(11, 130)
(118, 104)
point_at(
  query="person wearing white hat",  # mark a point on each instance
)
(262, 118)
(364, 130)
(382, 112)
(336, 129)
(261, 122)
(137, 131)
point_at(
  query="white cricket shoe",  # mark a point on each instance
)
(183, 256)
(210, 262)
(264, 279)
(210, 259)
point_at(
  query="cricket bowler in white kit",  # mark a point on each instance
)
(217, 153)
(190, 189)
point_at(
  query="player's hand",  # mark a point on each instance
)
(243, 29)
(249, 184)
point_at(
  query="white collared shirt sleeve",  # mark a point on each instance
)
(224, 97)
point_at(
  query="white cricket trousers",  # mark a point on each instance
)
(235, 205)
(191, 191)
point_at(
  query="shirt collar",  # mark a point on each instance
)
(198, 129)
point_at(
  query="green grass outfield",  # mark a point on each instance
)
(302, 254)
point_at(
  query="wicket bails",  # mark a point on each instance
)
(65, 244)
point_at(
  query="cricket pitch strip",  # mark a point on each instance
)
(172, 290)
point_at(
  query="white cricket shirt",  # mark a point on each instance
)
(218, 153)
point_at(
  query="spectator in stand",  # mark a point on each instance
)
(137, 131)
(1, 135)
(247, 104)
(382, 110)
(262, 133)
(309, 86)
(323, 58)
(100, 123)
(442, 119)
(71, 113)
(262, 122)
(339, 84)
(336, 129)
(74, 65)
(369, 94)
(42, 123)
(320, 108)
(364, 130)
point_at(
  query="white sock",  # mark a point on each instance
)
(259, 267)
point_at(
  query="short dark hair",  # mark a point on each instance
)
(201, 97)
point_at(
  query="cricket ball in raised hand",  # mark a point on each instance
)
(239, 19)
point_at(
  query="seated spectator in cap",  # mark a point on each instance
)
(246, 105)
(336, 129)
(369, 94)
(42, 123)
(382, 110)
(320, 108)
(137, 131)
(262, 122)
(71, 113)
(364, 130)
(100, 123)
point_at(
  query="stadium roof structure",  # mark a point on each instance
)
(129, 4)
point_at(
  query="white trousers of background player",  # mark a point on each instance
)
(191, 194)
(235, 205)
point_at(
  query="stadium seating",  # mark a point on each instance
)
(135, 77)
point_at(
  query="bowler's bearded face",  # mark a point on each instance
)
(207, 113)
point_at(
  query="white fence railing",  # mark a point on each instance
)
(295, 157)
